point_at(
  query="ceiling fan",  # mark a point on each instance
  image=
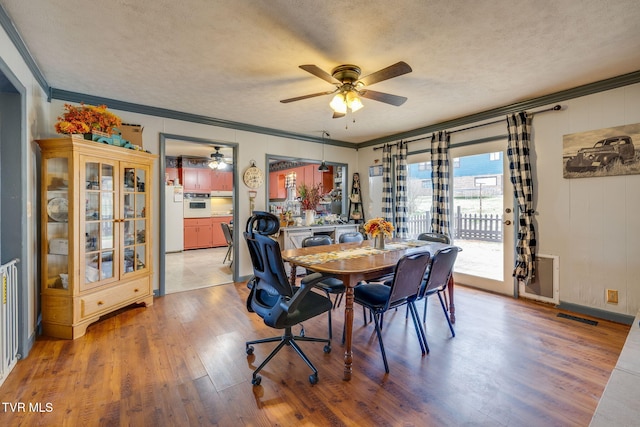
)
(218, 160)
(350, 87)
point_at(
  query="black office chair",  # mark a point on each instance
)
(330, 285)
(354, 236)
(229, 239)
(274, 299)
(437, 279)
(404, 288)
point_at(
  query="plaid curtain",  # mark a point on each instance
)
(402, 230)
(440, 182)
(387, 192)
(519, 126)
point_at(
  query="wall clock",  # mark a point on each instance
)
(253, 177)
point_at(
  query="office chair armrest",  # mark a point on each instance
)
(306, 284)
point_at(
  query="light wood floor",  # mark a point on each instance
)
(182, 362)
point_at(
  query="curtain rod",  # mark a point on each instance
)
(556, 107)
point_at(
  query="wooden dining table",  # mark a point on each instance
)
(353, 263)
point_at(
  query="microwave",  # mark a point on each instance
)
(197, 205)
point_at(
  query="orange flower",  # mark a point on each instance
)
(87, 118)
(375, 226)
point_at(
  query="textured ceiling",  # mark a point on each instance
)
(234, 60)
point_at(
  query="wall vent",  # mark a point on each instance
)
(544, 286)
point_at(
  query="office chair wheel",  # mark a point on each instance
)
(327, 349)
(249, 350)
(256, 380)
(313, 378)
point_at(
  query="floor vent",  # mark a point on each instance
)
(578, 319)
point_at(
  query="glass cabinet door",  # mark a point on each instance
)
(99, 263)
(56, 222)
(136, 221)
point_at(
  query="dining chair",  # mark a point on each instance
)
(272, 296)
(226, 230)
(403, 289)
(437, 279)
(354, 236)
(437, 238)
(330, 285)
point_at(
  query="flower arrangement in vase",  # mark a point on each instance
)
(378, 228)
(87, 119)
(310, 196)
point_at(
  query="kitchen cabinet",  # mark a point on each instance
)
(218, 238)
(197, 233)
(221, 180)
(172, 174)
(276, 185)
(95, 220)
(196, 180)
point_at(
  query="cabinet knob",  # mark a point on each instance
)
(135, 290)
(100, 303)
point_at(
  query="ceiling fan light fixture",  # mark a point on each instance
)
(339, 104)
(353, 101)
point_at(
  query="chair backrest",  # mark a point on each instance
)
(440, 270)
(434, 237)
(351, 237)
(407, 279)
(319, 240)
(227, 233)
(266, 259)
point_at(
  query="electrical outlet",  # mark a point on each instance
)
(612, 296)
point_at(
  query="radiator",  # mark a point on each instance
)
(8, 318)
(544, 286)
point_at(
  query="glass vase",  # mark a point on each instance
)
(378, 241)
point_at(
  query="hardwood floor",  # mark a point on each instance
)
(182, 362)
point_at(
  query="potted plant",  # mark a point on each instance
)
(87, 120)
(310, 196)
(378, 229)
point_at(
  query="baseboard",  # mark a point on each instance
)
(625, 319)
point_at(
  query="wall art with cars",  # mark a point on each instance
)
(602, 152)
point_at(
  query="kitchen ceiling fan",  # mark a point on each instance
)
(350, 87)
(218, 160)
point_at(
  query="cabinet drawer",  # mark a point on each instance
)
(108, 299)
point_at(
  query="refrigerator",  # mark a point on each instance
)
(174, 218)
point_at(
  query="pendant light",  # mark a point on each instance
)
(323, 166)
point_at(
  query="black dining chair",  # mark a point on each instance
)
(228, 236)
(437, 238)
(436, 281)
(272, 297)
(354, 236)
(330, 285)
(403, 289)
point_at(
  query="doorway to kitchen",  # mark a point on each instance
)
(197, 200)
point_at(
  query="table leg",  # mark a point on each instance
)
(452, 307)
(292, 274)
(348, 333)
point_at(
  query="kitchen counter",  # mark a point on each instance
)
(292, 237)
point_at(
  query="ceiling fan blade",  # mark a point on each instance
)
(299, 98)
(318, 72)
(395, 70)
(337, 115)
(387, 98)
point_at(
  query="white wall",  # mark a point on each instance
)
(37, 118)
(590, 223)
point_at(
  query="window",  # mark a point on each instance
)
(494, 156)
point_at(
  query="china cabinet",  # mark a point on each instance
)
(95, 232)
